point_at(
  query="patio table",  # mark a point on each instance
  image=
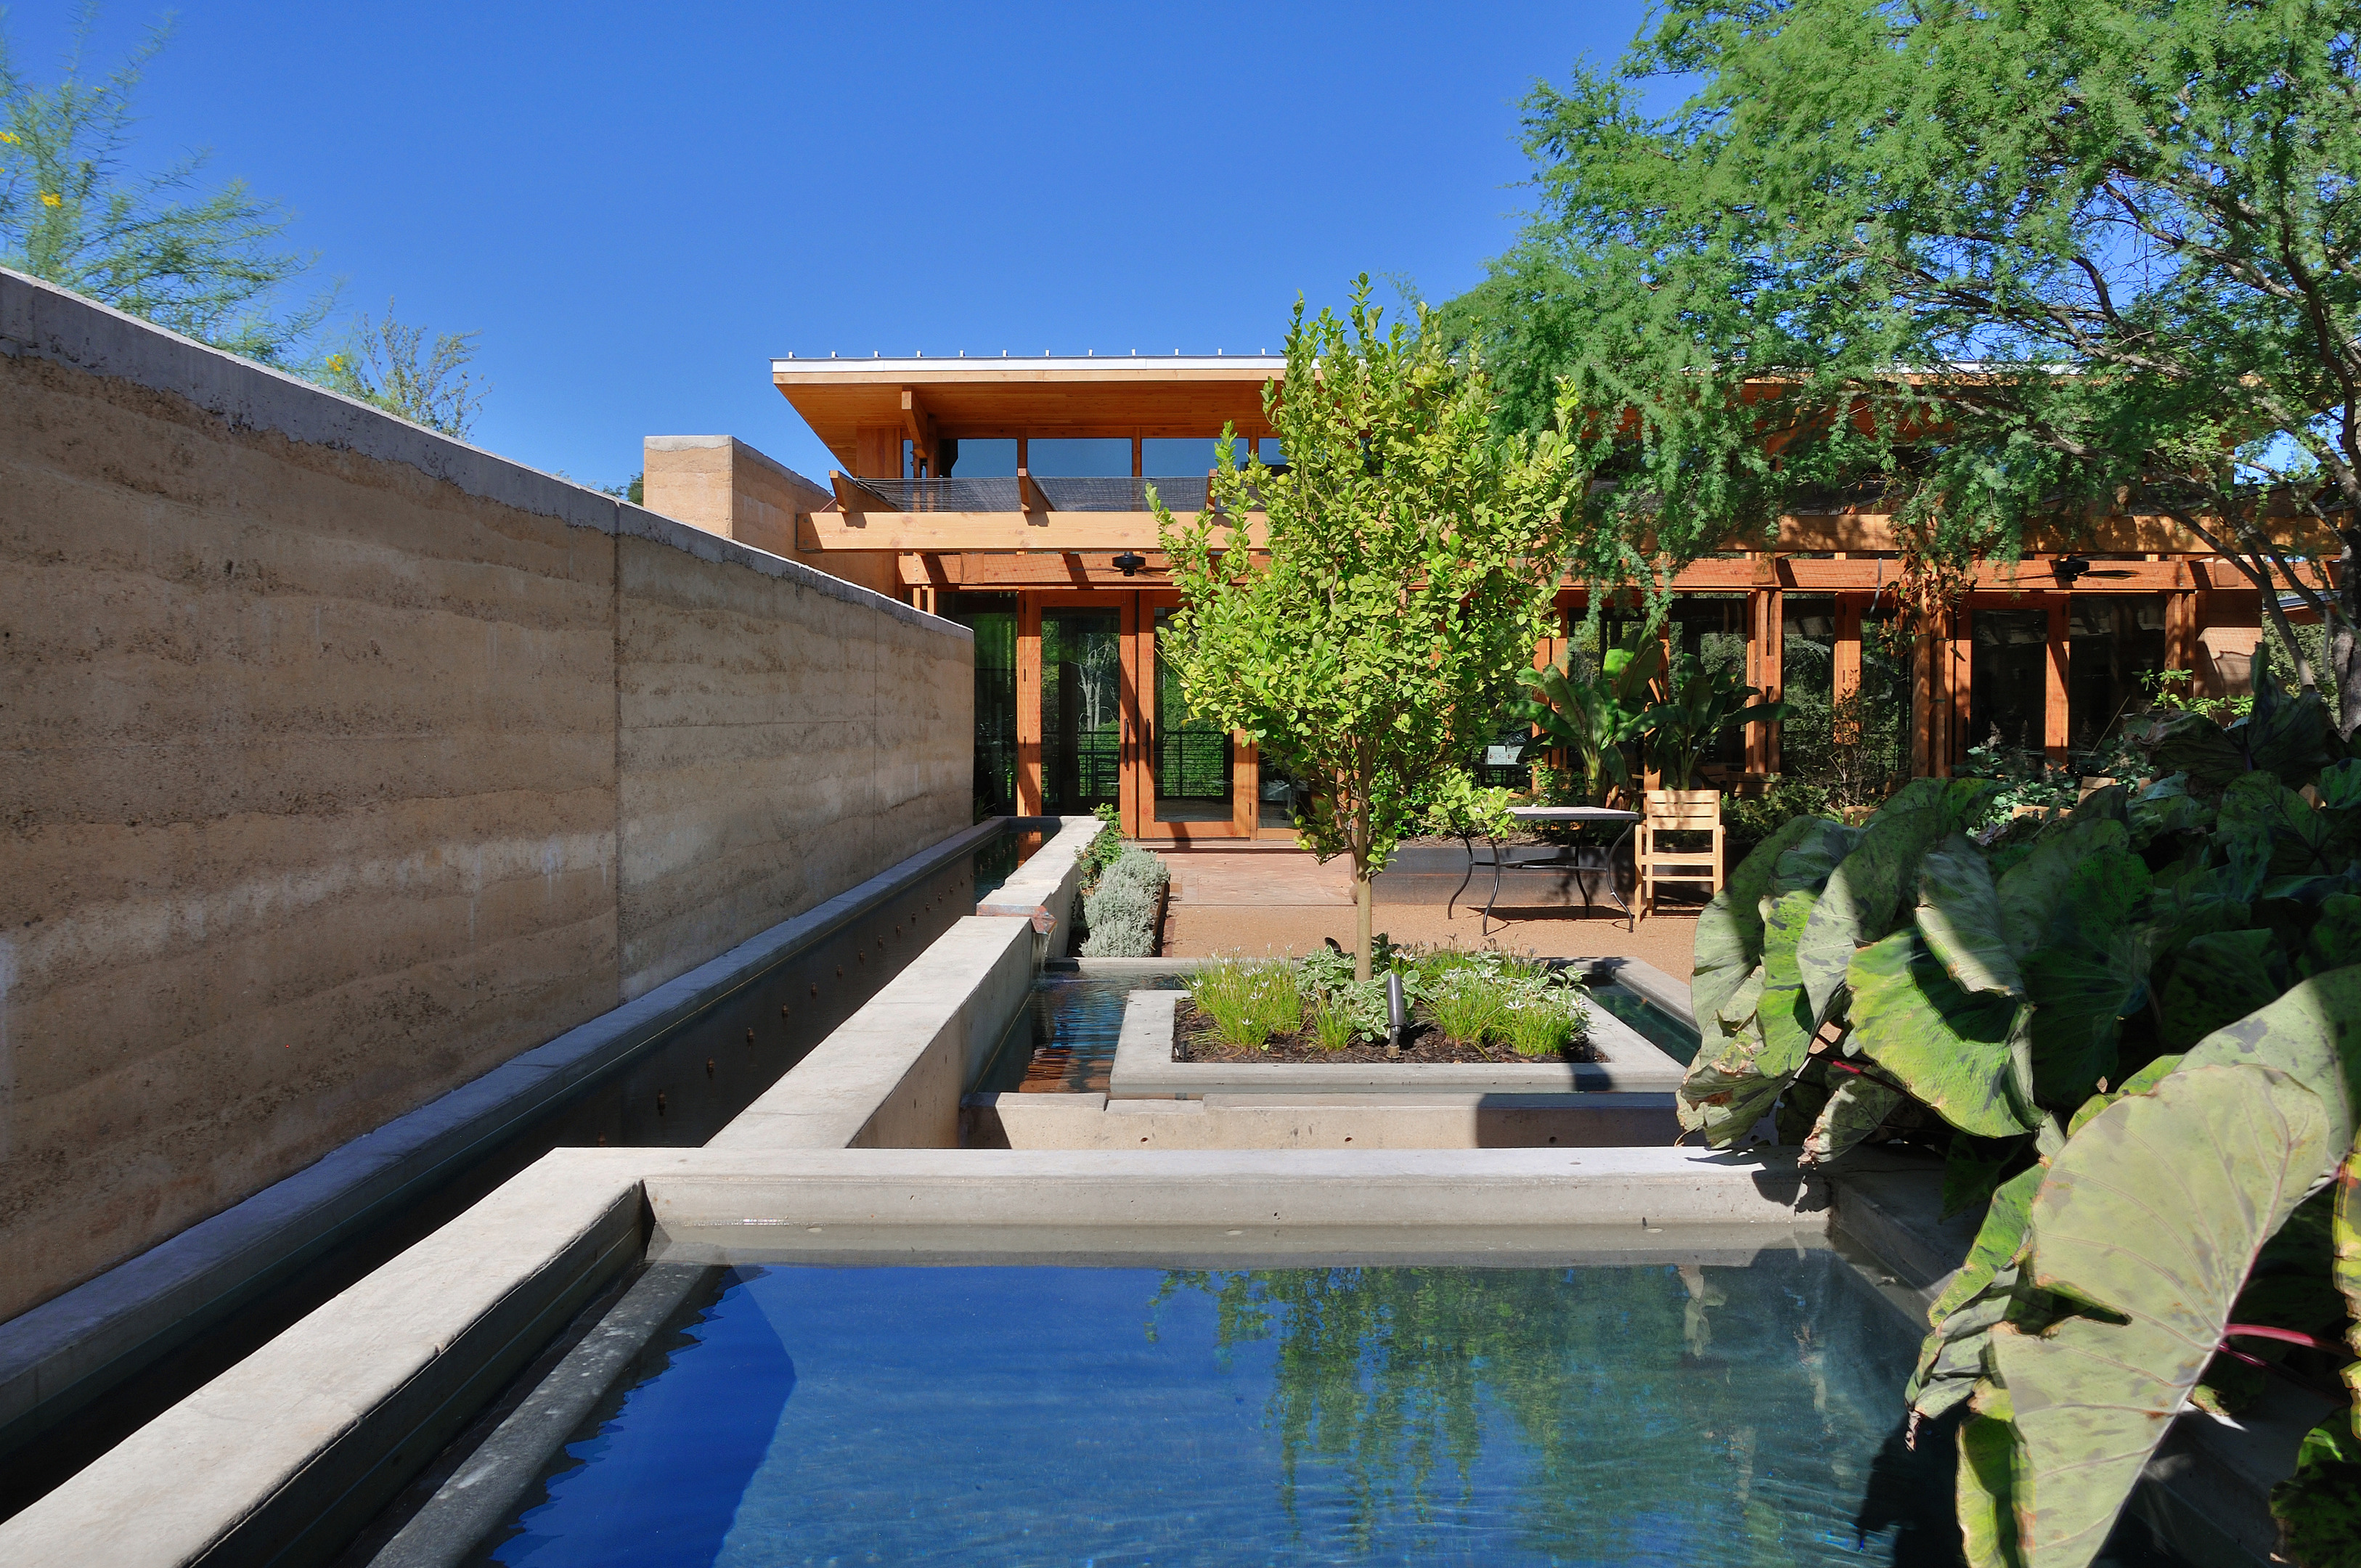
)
(1581, 861)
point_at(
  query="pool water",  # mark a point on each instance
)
(1659, 1028)
(1627, 1415)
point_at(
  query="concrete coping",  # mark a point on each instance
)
(58, 1356)
(1143, 1068)
(292, 1449)
(1042, 889)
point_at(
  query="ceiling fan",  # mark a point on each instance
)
(2071, 568)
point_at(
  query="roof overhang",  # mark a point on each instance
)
(1183, 397)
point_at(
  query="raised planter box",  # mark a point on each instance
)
(1143, 1068)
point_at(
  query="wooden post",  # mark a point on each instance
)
(1959, 680)
(1134, 791)
(2055, 721)
(1924, 731)
(1765, 660)
(1245, 785)
(2180, 632)
(1845, 677)
(1028, 705)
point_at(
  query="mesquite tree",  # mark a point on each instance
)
(1992, 270)
(1410, 560)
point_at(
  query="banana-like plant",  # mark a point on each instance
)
(1595, 717)
(1695, 705)
(2139, 1026)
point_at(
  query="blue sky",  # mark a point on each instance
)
(637, 206)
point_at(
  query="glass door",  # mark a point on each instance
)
(1190, 756)
(1081, 710)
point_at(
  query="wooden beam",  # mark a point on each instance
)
(987, 533)
(853, 499)
(2055, 719)
(1030, 496)
(920, 428)
(1845, 677)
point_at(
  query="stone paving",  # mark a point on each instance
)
(1271, 898)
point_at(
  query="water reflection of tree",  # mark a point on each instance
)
(1634, 1429)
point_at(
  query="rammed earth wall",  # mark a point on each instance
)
(340, 762)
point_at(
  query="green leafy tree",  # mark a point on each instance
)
(393, 366)
(1412, 556)
(205, 265)
(1986, 269)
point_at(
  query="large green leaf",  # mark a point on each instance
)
(1786, 1013)
(1956, 1351)
(1858, 1105)
(1959, 914)
(1864, 897)
(1725, 1105)
(2152, 1215)
(1989, 1468)
(1729, 932)
(2345, 1268)
(2091, 972)
(2335, 938)
(1814, 857)
(2313, 1034)
(2218, 978)
(1948, 1047)
(2258, 806)
(2031, 891)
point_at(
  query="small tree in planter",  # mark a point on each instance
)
(1411, 560)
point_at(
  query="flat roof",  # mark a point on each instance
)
(1048, 396)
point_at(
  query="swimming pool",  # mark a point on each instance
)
(1666, 1413)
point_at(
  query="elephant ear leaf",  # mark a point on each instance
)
(1724, 1100)
(2346, 1269)
(1948, 1047)
(1864, 894)
(1959, 914)
(2219, 979)
(2092, 973)
(1857, 1106)
(2151, 1244)
(2313, 1034)
(1730, 931)
(2031, 891)
(1956, 1353)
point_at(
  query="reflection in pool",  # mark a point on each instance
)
(1660, 1414)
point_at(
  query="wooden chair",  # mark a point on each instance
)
(1676, 811)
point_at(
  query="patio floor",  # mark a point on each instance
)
(1271, 898)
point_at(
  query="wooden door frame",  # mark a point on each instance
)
(1139, 816)
(1032, 605)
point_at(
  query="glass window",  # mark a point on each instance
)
(2008, 690)
(2112, 640)
(1807, 737)
(993, 618)
(1883, 716)
(1095, 458)
(1081, 709)
(1191, 460)
(992, 458)
(1710, 631)
(1191, 756)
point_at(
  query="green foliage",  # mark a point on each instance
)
(1697, 704)
(2086, 1002)
(1466, 1006)
(1335, 1023)
(633, 490)
(207, 265)
(2128, 227)
(1249, 1000)
(1103, 850)
(1412, 558)
(1748, 820)
(1597, 714)
(390, 366)
(1457, 807)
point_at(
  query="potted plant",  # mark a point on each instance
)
(1595, 717)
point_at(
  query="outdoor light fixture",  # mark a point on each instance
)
(1129, 563)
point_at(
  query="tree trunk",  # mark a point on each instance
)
(2345, 641)
(1364, 921)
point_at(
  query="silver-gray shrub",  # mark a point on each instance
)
(1121, 910)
